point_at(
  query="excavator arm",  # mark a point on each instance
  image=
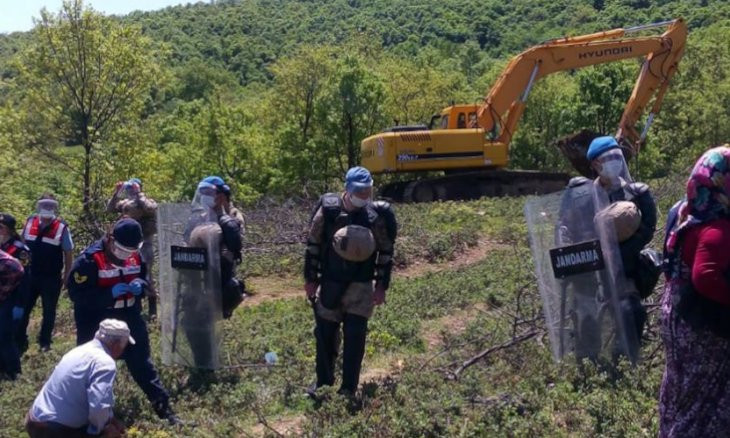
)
(505, 103)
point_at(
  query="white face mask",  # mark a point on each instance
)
(207, 201)
(358, 202)
(47, 214)
(121, 253)
(612, 169)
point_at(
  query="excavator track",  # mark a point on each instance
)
(475, 184)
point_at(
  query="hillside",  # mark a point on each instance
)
(463, 289)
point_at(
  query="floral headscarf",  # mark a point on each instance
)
(708, 193)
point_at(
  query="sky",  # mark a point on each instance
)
(17, 15)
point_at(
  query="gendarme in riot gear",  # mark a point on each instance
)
(350, 246)
(593, 306)
(200, 246)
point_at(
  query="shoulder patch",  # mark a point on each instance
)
(330, 200)
(79, 279)
(577, 181)
(639, 188)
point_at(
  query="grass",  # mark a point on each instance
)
(516, 391)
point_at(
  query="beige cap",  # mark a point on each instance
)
(114, 328)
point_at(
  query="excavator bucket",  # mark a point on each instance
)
(574, 147)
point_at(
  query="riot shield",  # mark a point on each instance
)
(189, 287)
(580, 275)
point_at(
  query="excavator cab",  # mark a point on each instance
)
(459, 117)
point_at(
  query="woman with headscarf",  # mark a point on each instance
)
(695, 391)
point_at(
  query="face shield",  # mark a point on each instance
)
(360, 196)
(204, 200)
(612, 168)
(47, 209)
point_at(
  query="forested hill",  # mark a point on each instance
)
(275, 96)
(247, 36)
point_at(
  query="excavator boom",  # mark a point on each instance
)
(476, 138)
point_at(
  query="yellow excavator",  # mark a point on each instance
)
(471, 142)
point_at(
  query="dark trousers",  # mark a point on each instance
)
(137, 356)
(9, 354)
(354, 330)
(48, 288)
(50, 429)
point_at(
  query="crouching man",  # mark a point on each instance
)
(78, 398)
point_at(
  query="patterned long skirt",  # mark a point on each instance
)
(695, 395)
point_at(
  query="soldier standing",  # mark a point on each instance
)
(350, 247)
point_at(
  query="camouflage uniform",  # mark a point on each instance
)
(346, 287)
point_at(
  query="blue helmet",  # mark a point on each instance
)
(600, 145)
(358, 178)
(218, 182)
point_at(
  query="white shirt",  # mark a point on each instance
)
(80, 390)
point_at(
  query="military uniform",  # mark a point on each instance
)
(578, 200)
(346, 286)
(90, 285)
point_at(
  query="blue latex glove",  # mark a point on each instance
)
(137, 286)
(18, 313)
(121, 289)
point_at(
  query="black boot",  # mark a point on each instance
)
(355, 331)
(165, 412)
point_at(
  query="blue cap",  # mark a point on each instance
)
(218, 182)
(136, 181)
(127, 232)
(358, 178)
(600, 145)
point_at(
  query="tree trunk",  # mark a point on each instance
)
(87, 180)
(351, 152)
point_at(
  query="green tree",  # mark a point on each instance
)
(89, 74)
(353, 110)
(301, 83)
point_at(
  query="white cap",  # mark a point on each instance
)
(114, 328)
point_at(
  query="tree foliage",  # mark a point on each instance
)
(276, 95)
(84, 75)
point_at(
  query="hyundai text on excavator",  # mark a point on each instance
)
(471, 143)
